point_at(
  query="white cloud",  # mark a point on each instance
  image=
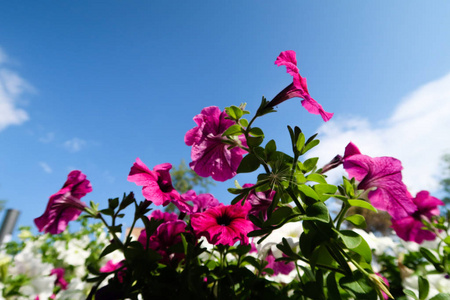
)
(3, 56)
(45, 167)
(74, 145)
(417, 132)
(47, 138)
(12, 86)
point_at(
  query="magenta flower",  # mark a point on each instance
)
(164, 216)
(210, 154)
(167, 235)
(382, 175)
(65, 205)
(279, 267)
(297, 88)
(59, 272)
(223, 224)
(156, 185)
(191, 203)
(111, 266)
(410, 227)
(260, 201)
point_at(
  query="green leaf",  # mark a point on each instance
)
(441, 296)
(333, 291)
(270, 148)
(447, 240)
(308, 191)
(431, 258)
(234, 112)
(323, 189)
(364, 250)
(300, 141)
(317, 211)
(410, 293)
(254, 141)
(357, 220)
(110, 248)
(310, 163)
(321, 256)
(249, 164)
(363, 204)
(316, 177)
(113, 203)
(233, 130)
(309, 146)
(243, 122)
(429, 255)
(424, 288)
(255, 131)
(127, 200)
(349, 190)
(279, 215)
(350, 238)
(107, 211)
(359, 285)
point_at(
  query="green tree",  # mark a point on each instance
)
(184, 179)
(445, 182)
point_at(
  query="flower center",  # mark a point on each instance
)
(164, 185)
(224, 220)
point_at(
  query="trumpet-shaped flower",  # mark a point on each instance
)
(383, 177)
(166, 235)
(298, 88)
(191, 203)
(260, 201)
(211, 154)
(65, 205)
(59, 272)
(156, 185)
(410, 227)
(223, 224)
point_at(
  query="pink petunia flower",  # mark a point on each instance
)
(385, 296)
(410, 227)
(382, 175)
(111, 266)
(278, 267)
(210, 153)
(156, 185)
(65, 205)
(223, 224)
(59, 272)
(191, 203)
(260, 201)
(298, 88)
(167, 235)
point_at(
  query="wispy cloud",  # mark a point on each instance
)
(45, 167)
(12, 87)
(74, 145)
(47, 138)
(416, 132)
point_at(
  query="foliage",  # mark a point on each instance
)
(276, 240)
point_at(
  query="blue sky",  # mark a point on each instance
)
(93, 85)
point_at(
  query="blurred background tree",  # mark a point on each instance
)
(445, 182)
(184, 179)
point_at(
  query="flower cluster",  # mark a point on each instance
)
(276, 239)
(382, 177)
